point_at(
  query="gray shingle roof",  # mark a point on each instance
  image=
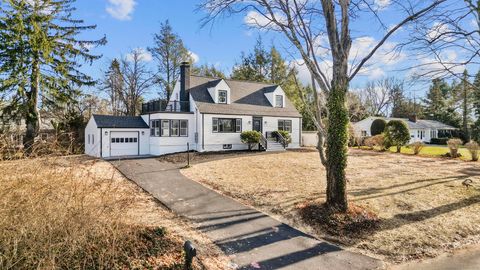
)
(110, 121)
(422, 124)
(246, 98)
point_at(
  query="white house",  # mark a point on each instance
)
(420, 130)
(207, 113)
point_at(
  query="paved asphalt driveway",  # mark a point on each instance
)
(252, 239)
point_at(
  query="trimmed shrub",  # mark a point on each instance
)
(439, 141)
(417, 147)
(474, 149)
(250, 137)
(453, 145)
(396, 134)
(378, 127)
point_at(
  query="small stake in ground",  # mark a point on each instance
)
(188, 154)
(190, 252)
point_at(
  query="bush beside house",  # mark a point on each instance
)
(378, 127)
(396, 134)
(251, 138)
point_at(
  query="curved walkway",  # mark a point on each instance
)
(252, 239)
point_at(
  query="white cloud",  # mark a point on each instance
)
(376, 73)
(381, 4)
(304, 73)
(255, 19)
(195, 58)
(437, 66)
(121, 9)
(438, 31)
(143, 55)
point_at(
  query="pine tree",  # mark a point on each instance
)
(169, 52)
(40, 55)
(476, 106)
(465, 98)
(113, 84)
(255, 66)
(439, 105)
(208, 71)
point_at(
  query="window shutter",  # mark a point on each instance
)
(238, 127)
(215, 124)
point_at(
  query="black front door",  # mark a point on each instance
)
(257, 124)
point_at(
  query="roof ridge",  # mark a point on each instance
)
(234, 80)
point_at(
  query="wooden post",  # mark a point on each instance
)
(188, 154)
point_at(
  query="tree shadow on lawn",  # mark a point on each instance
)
(372, 191)
(359, 222)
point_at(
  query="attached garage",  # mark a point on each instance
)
(116, 136)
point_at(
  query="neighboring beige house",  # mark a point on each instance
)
(420, 130)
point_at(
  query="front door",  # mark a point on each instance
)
(257, 124)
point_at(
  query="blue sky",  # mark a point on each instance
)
(130, 24)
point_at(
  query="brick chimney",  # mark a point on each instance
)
(413, 118)
(184, 86)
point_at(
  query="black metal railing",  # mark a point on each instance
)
(275, 135)
(263, 142)
(162, 105)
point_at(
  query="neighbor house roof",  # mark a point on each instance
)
(110, 121)
(246, 98)
(420, 124)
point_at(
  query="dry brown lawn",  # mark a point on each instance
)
(422, 206)
(80, 213)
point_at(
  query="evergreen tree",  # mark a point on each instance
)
(439, 105)
(255, 66)
(465, 99)
(169, 52)
(113, 84)
(476, 107)
(39, 56)
(208, 71)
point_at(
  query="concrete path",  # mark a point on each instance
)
(467, 259)
(252, 239)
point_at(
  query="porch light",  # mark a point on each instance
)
(249, 122)
(143, 133)
(106, 132)
(265, 122)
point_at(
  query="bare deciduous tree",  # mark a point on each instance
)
(137, 79)
(304, 24)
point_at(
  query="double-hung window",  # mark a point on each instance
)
(183, 128)
(175, 128)
(169, 128)
(165, 128)
(222, 96)
(279, 101)
(285, 125)
(227, 125)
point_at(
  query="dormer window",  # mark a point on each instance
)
(279, 101)
(222, 96)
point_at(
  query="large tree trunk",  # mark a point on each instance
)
(337, 147)
(32, 119)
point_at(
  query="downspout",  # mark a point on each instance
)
(101, 142)
(300, 132)
(203, 131)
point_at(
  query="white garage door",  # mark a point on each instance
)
(124, 143)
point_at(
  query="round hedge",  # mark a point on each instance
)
(378, 126)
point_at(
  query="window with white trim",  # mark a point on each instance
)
(227, 125)
(222, 96)
(285, 125)
(279, 101)
(169, 128)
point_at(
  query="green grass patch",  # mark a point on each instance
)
(430, 151)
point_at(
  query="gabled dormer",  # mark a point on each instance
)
(275, 95)
(220, 92)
